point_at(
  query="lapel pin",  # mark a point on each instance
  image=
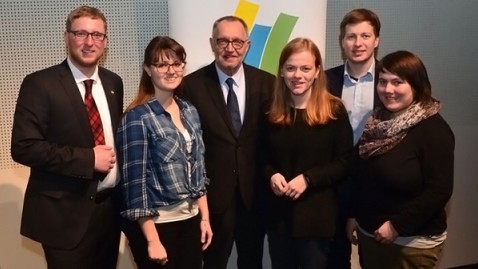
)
(112, 92)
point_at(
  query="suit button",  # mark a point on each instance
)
(92, 197)
(233, 171)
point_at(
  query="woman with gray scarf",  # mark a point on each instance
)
(404, 172)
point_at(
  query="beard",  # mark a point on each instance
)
(80, 62)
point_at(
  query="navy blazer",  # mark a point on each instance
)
(231, 161)
(51, 134)
(335, 82)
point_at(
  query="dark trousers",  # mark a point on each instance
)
(181, 239)
(242, 226)
(99, 247)
(289, 252)
(341, 248)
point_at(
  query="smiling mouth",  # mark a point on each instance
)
(391, 99)
(297, 82)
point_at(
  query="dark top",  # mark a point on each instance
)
(230, 159)
(410, 184)
(320, 152)
(52, 135)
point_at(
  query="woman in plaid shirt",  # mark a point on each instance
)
(161, 156)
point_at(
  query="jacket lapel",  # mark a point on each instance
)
(110, 93)
(213, 86)
(74, 97)
(251, 98)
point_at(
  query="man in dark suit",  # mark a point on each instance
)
(231, 145)
(355, 83)
(70, 203)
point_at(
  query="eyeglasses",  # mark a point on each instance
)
(164, 67)
(236, 43)
(82, 35)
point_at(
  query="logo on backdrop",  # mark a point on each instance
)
(266, 41)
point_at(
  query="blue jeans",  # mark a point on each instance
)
(289, 252)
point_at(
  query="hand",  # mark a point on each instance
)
(278, 184)
(105, 158)
(206, 234)
(351, 230)
(157, 252)
(297, 186)
(386, 234)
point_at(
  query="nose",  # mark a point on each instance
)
(170, 69)
(388, 88)
(89, 39)
(358, 41)
(297, 73)
(229, 47)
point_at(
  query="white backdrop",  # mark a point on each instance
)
(191, 21)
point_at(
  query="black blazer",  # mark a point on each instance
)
(51, 134)
(335, 82)
(231, 162)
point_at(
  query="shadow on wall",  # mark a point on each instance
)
(12, 243)
(17, 251)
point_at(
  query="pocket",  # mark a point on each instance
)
(165, 147)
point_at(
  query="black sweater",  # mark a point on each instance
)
(323, 153)
(410, 184)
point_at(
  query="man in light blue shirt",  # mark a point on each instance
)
(357, 95)
(354, 82)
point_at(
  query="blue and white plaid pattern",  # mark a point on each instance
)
(154, 161)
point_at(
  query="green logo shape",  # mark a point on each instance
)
(278, 38)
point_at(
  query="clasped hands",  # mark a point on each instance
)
(385, 234)
(292, 189)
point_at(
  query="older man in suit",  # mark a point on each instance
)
(229, 95)
(63, 129)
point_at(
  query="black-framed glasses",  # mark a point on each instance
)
(164, 67)
(82, 35)
(236, 43)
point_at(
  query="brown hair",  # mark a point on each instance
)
(321, 107)
(85, 11)
(410, 68)
(157, 48)
(357, 16)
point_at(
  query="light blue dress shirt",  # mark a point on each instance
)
(358, 96)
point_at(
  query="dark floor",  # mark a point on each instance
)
(471, 266)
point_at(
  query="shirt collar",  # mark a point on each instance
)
(369, 76)
(238, 76)
(158, 109)
(79, 76)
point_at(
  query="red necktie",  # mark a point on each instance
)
(93, 114)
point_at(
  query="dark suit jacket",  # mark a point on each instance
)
(231, 161)
(335, 82)
(51, 134)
